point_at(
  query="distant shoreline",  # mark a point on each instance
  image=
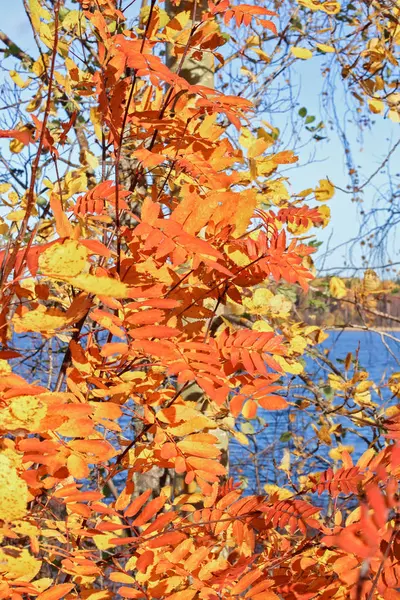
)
(360, 328)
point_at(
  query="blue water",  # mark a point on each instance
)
(273, 432)
(257, 463)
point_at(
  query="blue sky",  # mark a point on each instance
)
(369, 149)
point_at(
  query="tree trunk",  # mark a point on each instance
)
(196, 72)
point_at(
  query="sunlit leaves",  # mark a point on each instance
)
(67, 258)
(158, 278)
(337, 288)
(303, 53)
(13, 489)
(329, 6)
(325, 191)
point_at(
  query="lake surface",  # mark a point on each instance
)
(257, 463)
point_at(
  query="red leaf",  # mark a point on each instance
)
(22, 136)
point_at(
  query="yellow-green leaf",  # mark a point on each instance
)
(325, 48)
(303, 53)
(337, 288)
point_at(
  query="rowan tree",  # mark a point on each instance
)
(145, 259)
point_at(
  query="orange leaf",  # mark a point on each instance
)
(137, 504)
(201, 449)
(118, 577)
(147, 158)
(99, 449)
(22, 136)
(187, 594)
(246, 581)
(127, 592)
(150, 510)
(153, 331)
(272, 403)
(56, 592)
(63, 226)
(144, 561)
(172, 538)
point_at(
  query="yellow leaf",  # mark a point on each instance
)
(66, 259)
(16, 146)
(298, 344)
(295, 368)
(257, 148)
(285, 462)
(25, 528)
(37, 67)
(46, 35)
(40, 320)
(17, 79)
(279, 305)
(330, 7)
(239, 258)
(363, 398)
(263, 55)
(394, 384)
(198, 423)
(176, 25)
(375, 105)
(325, 213)
(102, 541)
(325, 191)
(13, 492)
(371, 281)
(16, 215)
(101, 286)
(325, 48)
(336, 382)
(323, 433)
(354, 516)
(303, 53)
(337, 288)
(273, 489)
(43, 584)
(240, 437)
(394, 116)
(75, 181)
(336, 453)
(262, 326)
(74, 18)
(246, 139)
(91, 160)
(23, 412)
(276, 192)
(95, 117)
(18, 563)
(258, 304)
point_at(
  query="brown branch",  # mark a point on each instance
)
(31, 191)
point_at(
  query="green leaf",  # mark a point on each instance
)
(310, 119)
(303, 112)
(285, 437)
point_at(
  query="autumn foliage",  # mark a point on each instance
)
(127, 269)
